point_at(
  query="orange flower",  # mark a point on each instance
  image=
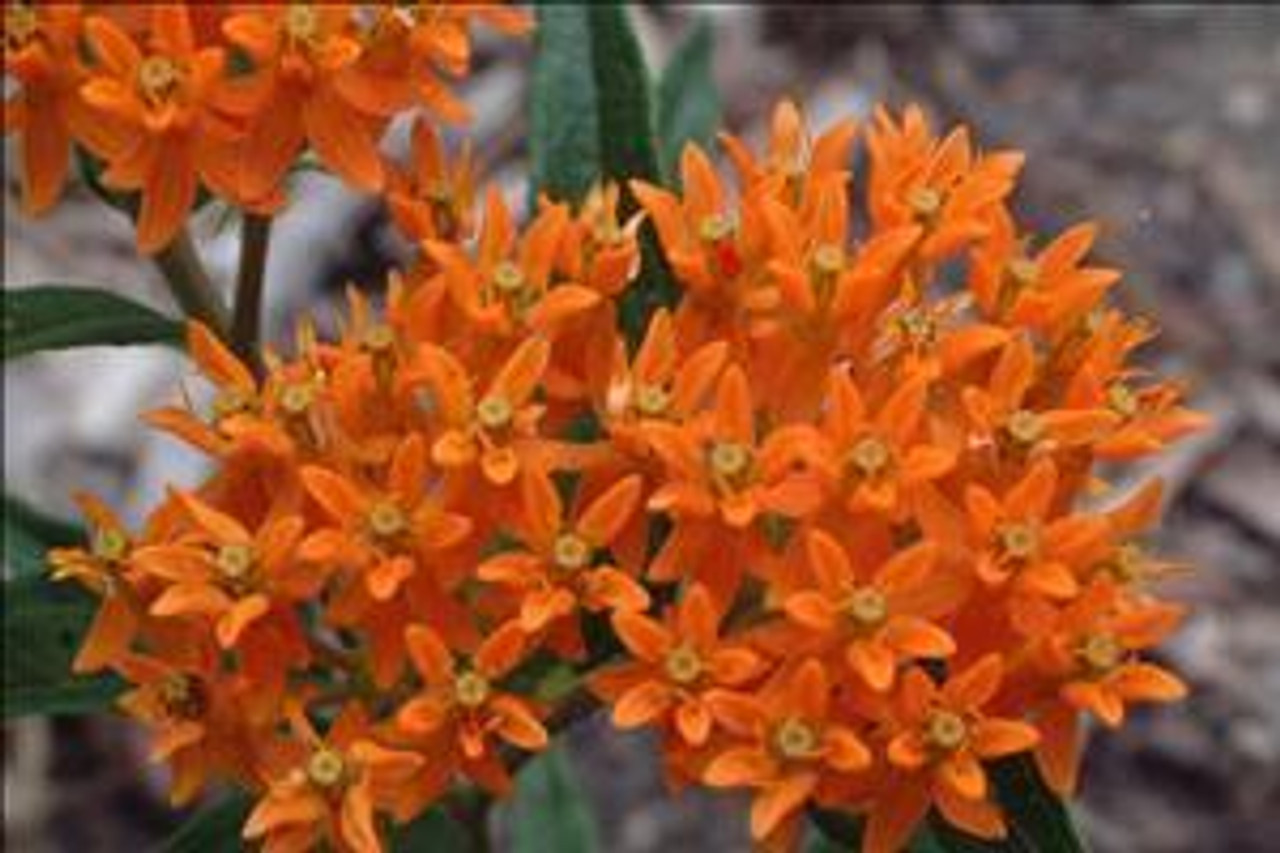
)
(237, 398)
(1002, 417)
(716, 252)
(942, 737)
(1048, 292)
(791, 741)
(940, 185)
(387, 533)
(1095, 648)
(432, 199)
(507, 288)
(658, 384)
(327, 790)
(558, 574)
(461, 703)
(168, 120)
(1090, 663)
(723, 470)
(496, 429)
(408, 45)
(40, 54)
(678, 665)
(874, 621)
(225, 573)
(300, 53)
(190, 710)
(874, 461)
(1019, 542)
(793, 165)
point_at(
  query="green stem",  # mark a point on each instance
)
(190, 285)
(246, 319)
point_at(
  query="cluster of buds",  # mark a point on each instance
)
(831, 526)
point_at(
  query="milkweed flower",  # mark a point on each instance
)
(829, 525)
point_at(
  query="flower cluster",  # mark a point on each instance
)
(174, 97)
(823, 527)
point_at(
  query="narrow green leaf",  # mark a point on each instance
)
(434, 831)
(550, 812)
(592, 118)
(689, 108)
(627, 146)
(1034, 812)
(564, 141)
(57, 317)
(28, 534)
(214, 829)
(43, 624)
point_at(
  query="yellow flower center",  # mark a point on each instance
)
(683, 665)
(181, 696)
(925, 203)
(21, 24)
(1129, 562)
(471, 689)
(1018, 541)
(326, 768)
(828, 259)
(652, 400)
(110, 544)
(301, 22)
(386, 520)
(870, 456)
(1099, 654)
(945, 731)
(1025, 427)
(235, 561)
(296, 398)
(571, 551)
(379, 338)
(714, 228)
(867, 607)
(158, 78)
(795, 739)
(730, 460)
(508, 278)
(1122, 400)
(1023, 272)
(231, 401)
(494, 412)
(918, 327)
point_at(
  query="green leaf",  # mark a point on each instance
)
(591, 119)
(1035, 814)
(564, 141)
(550, 812)
(28, 534)
(434, 831)
(57, 317)
(215, 829)
(689, 108)
(43, 624)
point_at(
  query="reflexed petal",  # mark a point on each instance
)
(642, 704)
(739, 767)
(964, 775)
(778, 801)
(693, 721)
(996, 738)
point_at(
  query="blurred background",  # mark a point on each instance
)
(1161, 122)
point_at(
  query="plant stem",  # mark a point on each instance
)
(246, 320)
(190, 285)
